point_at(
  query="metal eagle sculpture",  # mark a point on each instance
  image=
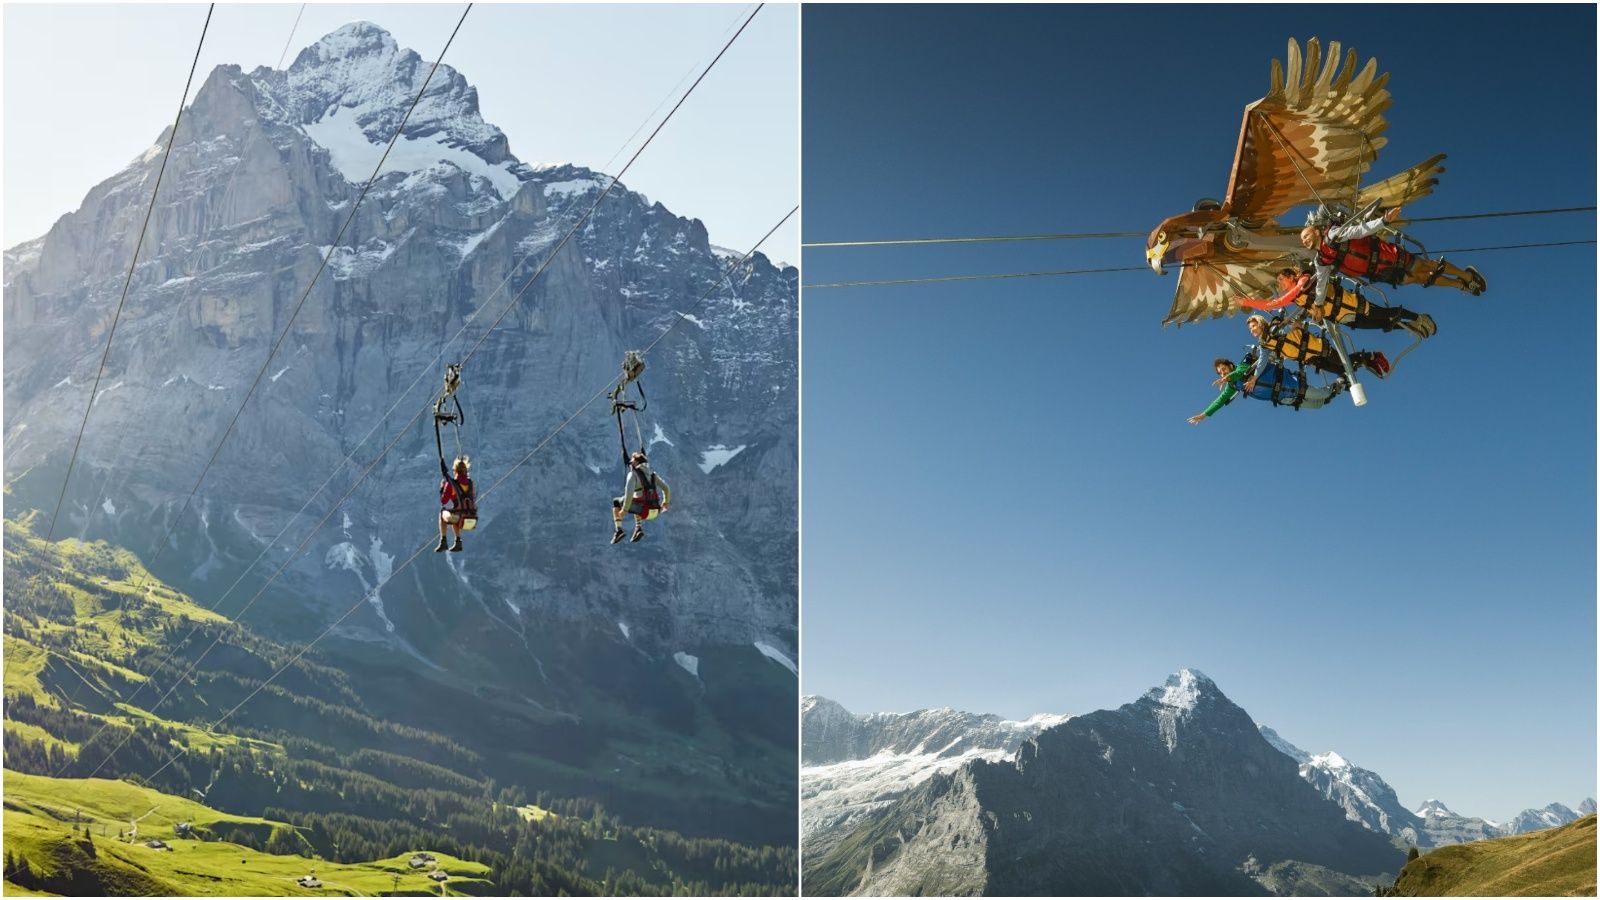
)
(1309, 140)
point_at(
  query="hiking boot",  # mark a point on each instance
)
(1379, 364)
(616, 536)
(441, 547)
(456, 547)
(1427, 327)
(638, 534)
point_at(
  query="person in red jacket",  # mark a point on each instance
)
(460, 502)
(1342, 305)
(1353, 250)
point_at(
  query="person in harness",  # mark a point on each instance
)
(1290, 342)
(1352, 249)
(456, 495)
(1342, 306)
(645, 495)
(1278, 386)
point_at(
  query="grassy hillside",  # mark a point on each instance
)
(70, 837)
(1558, 862)
(336, 764)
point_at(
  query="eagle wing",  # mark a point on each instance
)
(1311, 137)
(1399, 190)
(1209, 288)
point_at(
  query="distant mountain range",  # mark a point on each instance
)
(1368, 799)
(1176, 793)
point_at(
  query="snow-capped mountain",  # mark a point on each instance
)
(1443, 826)
(1177, 793)
(1551, 816)
(1364, 796)
(1368, 799)
(854, 764)
(265, 169)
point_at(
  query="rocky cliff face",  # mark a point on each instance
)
(852, 765)
(1176, 794)
(265, 168)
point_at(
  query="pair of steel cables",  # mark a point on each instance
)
(550, 257)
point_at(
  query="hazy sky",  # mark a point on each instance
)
(1004, 510)
(89, 87)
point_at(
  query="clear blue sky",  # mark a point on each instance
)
(1003, 509)
(566, 83)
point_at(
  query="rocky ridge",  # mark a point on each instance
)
(1177, 793)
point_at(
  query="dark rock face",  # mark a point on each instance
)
(1176, 793)
(264, 170)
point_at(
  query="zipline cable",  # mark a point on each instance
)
(132, 266)
(1064, 272)
(407, 427)
(332, 248)
(161, 548)
(210, 729)
(982, 277)
(987, 239)
(553, 253)
(432, 365)
(227, 195)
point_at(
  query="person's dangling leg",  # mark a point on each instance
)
(616, 519)
(1428, 272)
(443, 528)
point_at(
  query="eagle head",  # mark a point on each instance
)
(1182, 237)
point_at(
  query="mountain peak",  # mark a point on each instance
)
(1184, 690)
(354, 39)
(1330, 760)
(1434, 806)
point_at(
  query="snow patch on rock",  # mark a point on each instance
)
(717, 455)
(777, 656)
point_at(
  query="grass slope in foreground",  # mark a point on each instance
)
(331, 765)
(1558, 862)
(61, 837)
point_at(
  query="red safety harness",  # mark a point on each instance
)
(1367, 258)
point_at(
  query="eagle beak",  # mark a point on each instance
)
(1153, 256)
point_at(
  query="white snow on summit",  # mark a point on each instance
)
(913, 748)
(355, 156)
(1182, 691)
(578, 186)
(1177, 699)
(1330, 760)
(1039, 721)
